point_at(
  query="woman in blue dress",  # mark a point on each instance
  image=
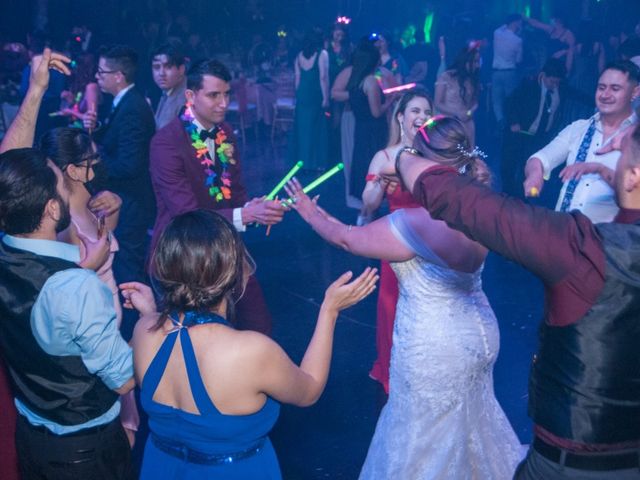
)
(211, 392)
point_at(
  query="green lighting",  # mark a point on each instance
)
(428, 23)
(408, 36)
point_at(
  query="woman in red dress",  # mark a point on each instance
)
(411, 112)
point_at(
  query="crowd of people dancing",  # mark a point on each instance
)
(122, 265)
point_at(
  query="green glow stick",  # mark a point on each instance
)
(325, 176)
(286, 178)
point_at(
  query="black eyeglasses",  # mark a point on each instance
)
(91, 160)
(104, 72)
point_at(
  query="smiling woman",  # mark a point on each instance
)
(413, 109)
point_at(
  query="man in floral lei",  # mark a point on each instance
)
(194, 164)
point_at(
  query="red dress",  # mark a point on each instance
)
(387, 299)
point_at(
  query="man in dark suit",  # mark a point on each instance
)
(196, 165)
(123, 142)
(532, 118)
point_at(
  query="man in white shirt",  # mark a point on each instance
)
(507, 54)
(588, 176)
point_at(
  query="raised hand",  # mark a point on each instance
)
(615, 142)
(138, 296)
(40, 65)
(90, 120)
(300, 201)
(96, 253)
(577, 170)
(341, 295)
(106, 203)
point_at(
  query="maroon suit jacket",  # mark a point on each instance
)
(178, 178)
(178, 181)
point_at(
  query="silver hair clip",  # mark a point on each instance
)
(476, 152)
(462, 170)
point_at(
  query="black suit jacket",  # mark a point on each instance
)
(523, 104)
(123, 141)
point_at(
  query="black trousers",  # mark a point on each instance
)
(100, 453)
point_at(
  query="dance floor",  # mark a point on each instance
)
(330, 439)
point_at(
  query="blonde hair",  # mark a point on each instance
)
(447, 139)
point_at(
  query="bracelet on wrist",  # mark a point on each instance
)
(372, 177)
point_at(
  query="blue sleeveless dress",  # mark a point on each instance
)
(210, 445)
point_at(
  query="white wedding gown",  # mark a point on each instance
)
(442, 420)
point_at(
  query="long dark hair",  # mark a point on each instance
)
(312, 42)
(199, 261)
(364, 61)
(66, 146)
(460, 71)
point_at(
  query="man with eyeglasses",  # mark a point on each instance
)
(123, 141)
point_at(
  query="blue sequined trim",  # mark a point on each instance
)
(181, 451)
(192, 318)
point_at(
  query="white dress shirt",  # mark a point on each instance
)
(507, 49)
(121, 93)
(593, 196)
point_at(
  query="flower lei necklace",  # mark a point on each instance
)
(219, 186)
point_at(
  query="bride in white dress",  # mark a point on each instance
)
(442, 419)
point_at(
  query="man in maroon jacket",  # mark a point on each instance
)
(194, 165)
(584, 389)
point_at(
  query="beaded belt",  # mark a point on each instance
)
(181, 451)
(588, 461)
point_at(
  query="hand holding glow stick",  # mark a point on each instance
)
(286, 178)
(322, 178)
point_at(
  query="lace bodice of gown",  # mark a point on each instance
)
(442, 419)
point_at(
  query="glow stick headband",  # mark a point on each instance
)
(429, 124)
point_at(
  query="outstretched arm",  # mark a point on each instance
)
(278, 376)
(550, 244)
(538, 24)
(21, 132)
(375, 240)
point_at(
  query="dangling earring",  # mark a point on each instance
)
(401, 130)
